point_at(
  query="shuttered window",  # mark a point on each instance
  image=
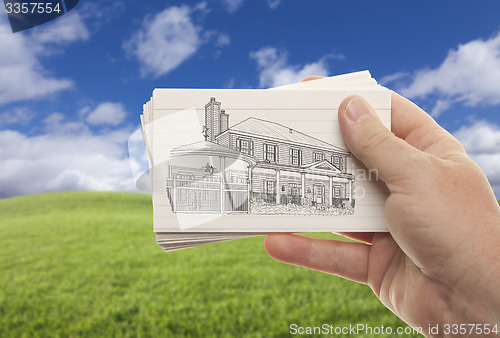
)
(319, 157)
(295, 156)
(337, 161)
(244, 146)
(271, 152)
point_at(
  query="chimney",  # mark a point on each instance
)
(224, 121)
(212, 119)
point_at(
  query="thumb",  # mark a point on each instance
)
(375, 145)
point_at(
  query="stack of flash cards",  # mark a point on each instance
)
(233, 163)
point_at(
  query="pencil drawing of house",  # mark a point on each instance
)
(259, 167)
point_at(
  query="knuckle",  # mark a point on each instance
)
(377, 139)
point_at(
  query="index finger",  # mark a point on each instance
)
(310, 78)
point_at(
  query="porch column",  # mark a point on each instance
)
(249, 189)
(303, 187)
(174, 194)
(278, 187)
(350, 191)
(222, 170)
(250, 178)
(330, 190)
(222, 165)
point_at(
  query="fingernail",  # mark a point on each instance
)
(358, 110)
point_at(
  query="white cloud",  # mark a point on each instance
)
(164, 41)
(68, 156)
(222, 40)
(22, 76)
(107, 113)
(470, 74)
(169, 38)
(232, 5)
(273, 4)
(393, 77)
(275, 70)
(55, 124)
(481, 140)
(18, 115)
(66, 29)
(440, 106)
(201, 7)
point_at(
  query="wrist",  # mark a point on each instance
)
(478, 296)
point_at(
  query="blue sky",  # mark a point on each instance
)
(71, 90)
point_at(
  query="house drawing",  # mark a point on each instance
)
(259, 167)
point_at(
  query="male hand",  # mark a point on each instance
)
(440, 263)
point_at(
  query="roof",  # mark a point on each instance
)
(205, 146)
(322, 165)
(267, 129)
(210, 149)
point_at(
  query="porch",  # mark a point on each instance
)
(317, 184)
(284, 199)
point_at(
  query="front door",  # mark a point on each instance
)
(319, 193)
(270, 195)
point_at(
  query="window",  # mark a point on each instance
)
(244, 146)
(319, 157)
(337, 191)
(295, 156)
(270, 153)
(294, 189)
(337, 161)
(269, 187)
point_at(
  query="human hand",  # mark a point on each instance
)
(440, 263)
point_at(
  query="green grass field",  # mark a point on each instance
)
(86, 264)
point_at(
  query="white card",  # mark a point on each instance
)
(259, 161)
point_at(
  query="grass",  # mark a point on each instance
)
(86, 264)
